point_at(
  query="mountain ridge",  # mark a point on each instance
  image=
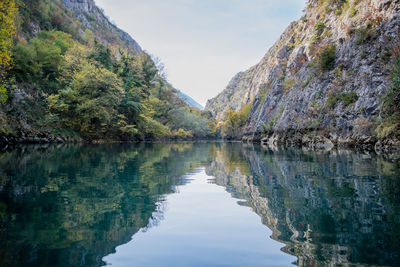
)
(190, 101)
(80, 7)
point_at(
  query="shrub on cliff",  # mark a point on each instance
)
(327, 58)
(319, 28)
(346, 98)
(391, 100)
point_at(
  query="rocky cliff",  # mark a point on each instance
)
(234, 97)
(327, 80)
(93, 18)
(80, 18)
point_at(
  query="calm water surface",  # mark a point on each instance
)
(200, 204)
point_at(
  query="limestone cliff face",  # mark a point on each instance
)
(299, 88)
(77, 17)
(93, 18)
(235, 96)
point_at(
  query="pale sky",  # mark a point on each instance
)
(204, 43)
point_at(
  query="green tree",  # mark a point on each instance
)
(182, 118)
(89, 104)
(8, 12)
(234, 121)
(39, 61)
(135, 91)
(152, 129)
(103, 55)
(231, 124)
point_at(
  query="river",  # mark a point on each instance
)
(197, 204)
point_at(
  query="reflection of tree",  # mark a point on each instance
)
(157, 216)
(327, 207)
(72, 205)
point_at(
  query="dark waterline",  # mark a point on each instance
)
(197, 204)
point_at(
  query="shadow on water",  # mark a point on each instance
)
(72, 205)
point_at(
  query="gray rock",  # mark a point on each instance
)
(84, 9)
(302, 98)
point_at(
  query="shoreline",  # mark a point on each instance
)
(392, 153)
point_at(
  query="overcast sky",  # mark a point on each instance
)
(204, 43)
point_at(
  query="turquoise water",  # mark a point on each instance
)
(197, 204)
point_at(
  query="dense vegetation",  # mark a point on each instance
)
(63, 84)
(7, 32)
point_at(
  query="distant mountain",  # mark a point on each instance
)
(190, 101)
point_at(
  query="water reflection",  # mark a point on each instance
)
(73, 205)
(70, 206)
(328, 208)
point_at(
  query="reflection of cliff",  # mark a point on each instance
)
(327, 207)
(72, 205)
